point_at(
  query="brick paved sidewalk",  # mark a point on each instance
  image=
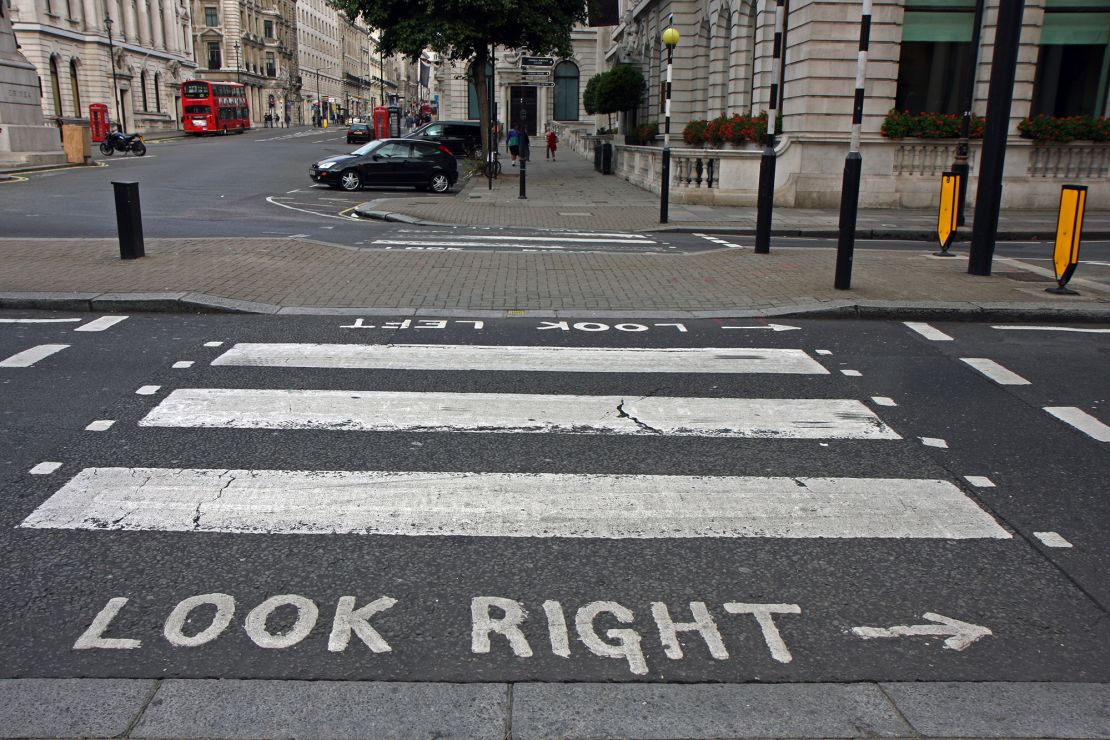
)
(297, 275)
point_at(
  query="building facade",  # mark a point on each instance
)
(147, 57)
(252, 42)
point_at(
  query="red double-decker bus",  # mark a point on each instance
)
(214, 107)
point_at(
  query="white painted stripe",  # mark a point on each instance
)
(824, 351)
(852, 373)
(45, 468)
(459, 245)
(883, 401)
(182, 364)
(511, 505)
(994, 371)
(1052, 539)
(622, 240)
(934, 442)
(1054, 328)
(213, 344)
(148, 390)
(979, 481)
(104, 322)
(928, 331)
(538, 359)
(100, 425)
(38, 321)
(1082, 421)
(518, 413)
(29, 357)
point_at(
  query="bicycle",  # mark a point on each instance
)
(492, 167)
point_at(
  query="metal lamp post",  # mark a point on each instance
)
(112, 64)
(237, 61)
(670, 40)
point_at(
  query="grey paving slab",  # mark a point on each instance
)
(324, 709)
(170, 301)
(1049, 710)
(703, 711)
(70, 707)
(229, 305)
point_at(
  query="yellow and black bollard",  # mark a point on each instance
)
(1069, 231)
(948, 214)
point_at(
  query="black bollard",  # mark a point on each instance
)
(129, 220)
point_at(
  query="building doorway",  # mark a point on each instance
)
(523, 98)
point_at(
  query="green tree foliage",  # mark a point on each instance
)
(620, 89)
(589, 95)
(465, 30)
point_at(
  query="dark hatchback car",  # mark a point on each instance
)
(390, 162)
(461, 137)
(358, 133)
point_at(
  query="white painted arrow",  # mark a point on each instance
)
(960, 634)
(1055, 328)
(772, 327)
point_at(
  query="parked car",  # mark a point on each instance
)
(390, 162)
(461, 137)
(359, 133)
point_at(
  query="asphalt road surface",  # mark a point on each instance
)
(636, 500)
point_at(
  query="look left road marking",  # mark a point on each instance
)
(104, 322)
(543, 505)
(29, 357)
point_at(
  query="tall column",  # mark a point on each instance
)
(143, 22)
(130, 22)
(93, 18)
(157, 24)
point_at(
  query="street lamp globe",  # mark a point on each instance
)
(670, 37)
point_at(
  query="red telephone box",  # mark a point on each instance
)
(381, 122)
(98, 121)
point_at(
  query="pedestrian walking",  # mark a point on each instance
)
(513, 140)
(552, 144)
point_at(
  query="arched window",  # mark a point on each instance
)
(142, 84)
(158, 92)
(55, 86)
(75, 87)
(472, 93)
(566, 91)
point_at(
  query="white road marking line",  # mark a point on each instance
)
(824, 351)
(1082, 421)
(29, 357)
(213, 344)
(148, 390)
(45, 468)
(104, 322)
(928, 331)
(1052, 328)
(536, 359)
(883, 401)
(511, 505)
(785, 418)
(38, 321)
(500, 245)
(772, 327)
(622, 240)
(1052, 539)
(994, 371)
(979, 481)
(852, 373)
(271, 199)
(934, 442)
(182, 364)
(100, 425)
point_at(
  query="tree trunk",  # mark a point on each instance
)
(478, 73)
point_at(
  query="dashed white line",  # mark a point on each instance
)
(979, 481)
(1052, 539)
(100, 425)
(29, 357)
(1082, 421)
(824, 351)
(148, 390)
(45, 468)
(182, 364)
(928, 331)
(213, 344)
(851, 373)
(883, 401)
(994, 371)
(934, 442)
(104, 322)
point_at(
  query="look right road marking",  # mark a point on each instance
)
(994, 371)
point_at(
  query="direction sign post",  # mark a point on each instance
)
(537, 61)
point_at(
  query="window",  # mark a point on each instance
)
(936, 54)
(157, 92)
(566, 91)
(213, 55)
(271, 65)
(55, 86)
(211, 17)
(393, 150)
(142, 84)
(269, 26)
(1073, 59)
(76, 89)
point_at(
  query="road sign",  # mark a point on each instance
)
(536, 72)
(1069, 231)
(537, 61)
(949, 209)
(536, 84)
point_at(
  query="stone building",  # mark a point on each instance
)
(253, 42)
(67, 42)
(319, 46)
(920, 54)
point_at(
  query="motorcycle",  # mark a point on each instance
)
(117, 142)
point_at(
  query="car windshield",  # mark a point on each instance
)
(367, 148)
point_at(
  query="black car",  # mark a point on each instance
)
(461, 137)
(358, 133)
(390, 162)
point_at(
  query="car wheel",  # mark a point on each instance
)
(139, 148)
(439, 183)
(350, 180)
(106, 149)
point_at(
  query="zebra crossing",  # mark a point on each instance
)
(474, 502)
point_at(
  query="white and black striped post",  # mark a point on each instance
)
(853, 165)
(670, 40)
(766, 197)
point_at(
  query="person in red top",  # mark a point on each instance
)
(552, 144)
